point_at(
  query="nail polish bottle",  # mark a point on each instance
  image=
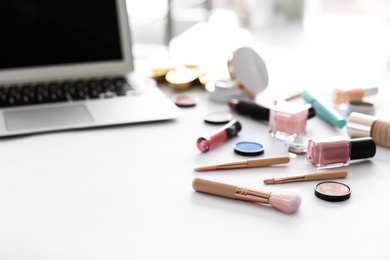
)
(362, 125)
(288, 119)
(337, 151)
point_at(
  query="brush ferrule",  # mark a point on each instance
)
(243, 193)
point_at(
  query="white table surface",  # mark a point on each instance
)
(125, 192)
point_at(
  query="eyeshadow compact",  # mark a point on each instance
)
(218, 117)
(248, 148)
(332, 191)
(248, 71)
(183, 100)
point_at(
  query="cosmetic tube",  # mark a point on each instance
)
(214, 139)
(337, 151)
(255, 111)
(362, 125)
(327, 113)
(249, 108)
(341, 96)
(288, 119)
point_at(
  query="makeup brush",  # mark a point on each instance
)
(287, 201)
(308, 177)
(261, 162)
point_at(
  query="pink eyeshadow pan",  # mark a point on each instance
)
(332, 191)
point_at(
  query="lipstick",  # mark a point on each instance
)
(214, 139)
(255, 111)
(248, 108)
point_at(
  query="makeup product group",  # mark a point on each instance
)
(287, 121)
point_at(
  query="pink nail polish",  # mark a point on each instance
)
(288, 119)
(337, 151)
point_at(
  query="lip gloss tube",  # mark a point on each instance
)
(337, 151)
(327, 113)
(214, 139)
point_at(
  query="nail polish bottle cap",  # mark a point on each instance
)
(312, 113)
(362, 148)
(359, 125)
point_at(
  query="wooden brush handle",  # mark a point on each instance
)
(268, 161)
(326, 175)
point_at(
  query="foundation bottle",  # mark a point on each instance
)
(362, 125)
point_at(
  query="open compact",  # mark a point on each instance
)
(332, 191)
(248, 71)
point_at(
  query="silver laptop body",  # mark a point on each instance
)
(83, 42)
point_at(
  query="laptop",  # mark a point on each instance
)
(68, 64)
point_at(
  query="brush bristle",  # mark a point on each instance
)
(269, 181)
(287, 201)
(205, 168)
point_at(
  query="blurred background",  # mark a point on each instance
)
(304, 43)
(157, 21)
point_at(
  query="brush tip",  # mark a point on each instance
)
(287, 201)
(269, 181)
(205, 168)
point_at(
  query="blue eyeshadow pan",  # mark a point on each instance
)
(248, 148)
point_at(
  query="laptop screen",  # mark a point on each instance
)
(37, 33)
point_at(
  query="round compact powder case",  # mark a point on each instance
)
(182, 100)
(248, 148)
(332, 191)
(248, 71)
(218, 117)
(223, 90)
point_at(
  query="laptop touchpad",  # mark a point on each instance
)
(47, 117)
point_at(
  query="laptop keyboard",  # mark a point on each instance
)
(65, 91)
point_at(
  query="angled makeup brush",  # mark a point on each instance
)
(286, 201)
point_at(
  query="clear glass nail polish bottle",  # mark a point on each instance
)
(337, 151)
(288, 119)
